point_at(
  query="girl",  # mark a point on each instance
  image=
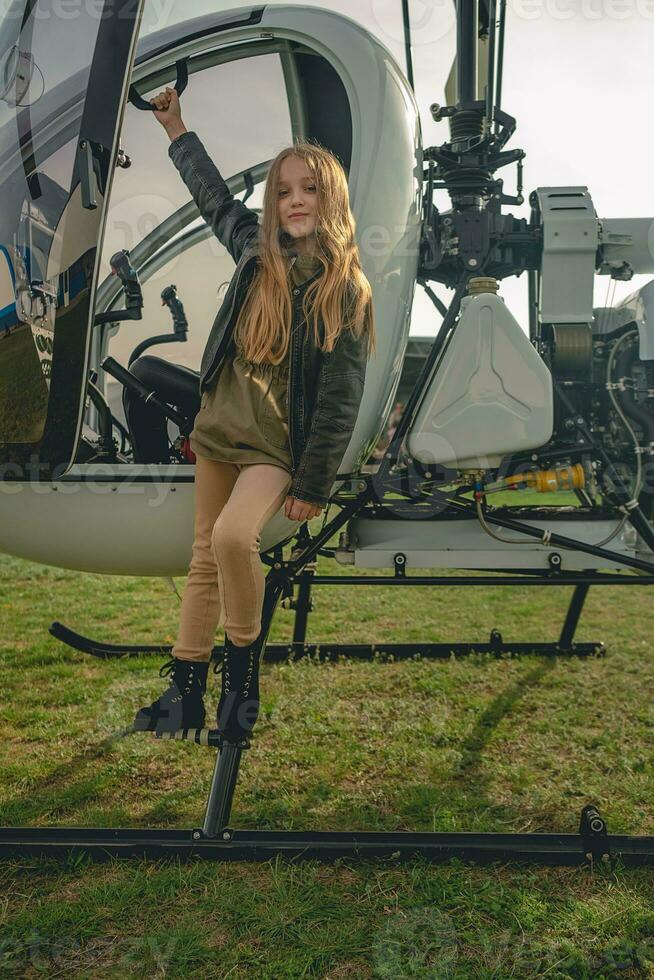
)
(280, 398)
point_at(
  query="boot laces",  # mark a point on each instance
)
(171, 667)
(167, 668)
(224, 666)
(248, 678)
(246, 689)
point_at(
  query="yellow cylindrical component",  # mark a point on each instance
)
(482, 284)
(548, 481)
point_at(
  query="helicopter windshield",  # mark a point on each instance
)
(238, 133)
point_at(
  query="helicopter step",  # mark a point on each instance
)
(211, 737)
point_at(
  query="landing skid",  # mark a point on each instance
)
(110, 651)
(298, 647)
(215, 840)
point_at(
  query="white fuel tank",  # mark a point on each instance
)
(491, 393)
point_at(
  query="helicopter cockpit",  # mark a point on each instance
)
(177, 245)
(111, 278)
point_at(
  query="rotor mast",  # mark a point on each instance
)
(467, 20)
(474, 236)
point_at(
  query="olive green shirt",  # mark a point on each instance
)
(243, 414)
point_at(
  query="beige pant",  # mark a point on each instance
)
(226, 581)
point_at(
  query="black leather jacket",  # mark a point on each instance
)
(324, 390)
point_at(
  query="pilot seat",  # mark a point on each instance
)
(174, 384)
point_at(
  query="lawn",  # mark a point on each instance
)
(515, 744)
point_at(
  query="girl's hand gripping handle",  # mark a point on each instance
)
(167, 111)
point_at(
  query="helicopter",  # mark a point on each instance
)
(564, 406)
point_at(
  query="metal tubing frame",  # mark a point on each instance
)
(218, 841)
(283, 576)
(298, 647)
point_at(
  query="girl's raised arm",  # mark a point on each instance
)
(233, 224)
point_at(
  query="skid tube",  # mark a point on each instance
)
(218, 842)
(382, 651)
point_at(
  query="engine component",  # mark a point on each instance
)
(546, 481)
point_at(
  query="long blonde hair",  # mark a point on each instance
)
(342, 295)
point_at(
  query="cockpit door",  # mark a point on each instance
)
(64, 73)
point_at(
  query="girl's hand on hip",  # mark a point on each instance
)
(300, 510)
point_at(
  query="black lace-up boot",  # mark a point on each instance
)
(238, 708)
(181, 706)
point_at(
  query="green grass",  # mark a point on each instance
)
(517, 744)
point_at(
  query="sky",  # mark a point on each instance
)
(577, 77)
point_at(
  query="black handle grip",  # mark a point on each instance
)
(180, 85)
